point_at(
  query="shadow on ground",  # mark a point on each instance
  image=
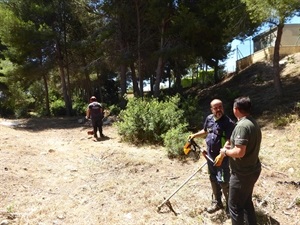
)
(264, 219)
(39, 124)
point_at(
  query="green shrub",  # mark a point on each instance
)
(186, 82)
(21, 111)
(58, 108)
(205, 78)
(79, 107)
(6, 111)
(146, 120)
(114, 110)
(174, 140)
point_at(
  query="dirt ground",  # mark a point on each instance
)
(53, 173)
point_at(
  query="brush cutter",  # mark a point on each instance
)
(90, 132)
(190, 145)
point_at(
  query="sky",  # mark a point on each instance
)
(242, 49)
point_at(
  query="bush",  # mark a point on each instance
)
(58, 108)
(146, 121)
(21, 111)
(174, 140)
(79, 107)
(114, 110)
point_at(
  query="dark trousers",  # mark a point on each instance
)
(97, 125)
(241, 207)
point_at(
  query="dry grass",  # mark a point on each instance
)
(60, 176)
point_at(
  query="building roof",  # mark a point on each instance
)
(272, 29)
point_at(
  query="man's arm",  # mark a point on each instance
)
(227, 144)
(201, 133)
(237, 152)
(88, 113)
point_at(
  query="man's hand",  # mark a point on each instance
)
(218, 160)
(190, 137)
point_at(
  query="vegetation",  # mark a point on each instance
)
(67, 50)
(55, 54)
(275, 13)
(149, 121)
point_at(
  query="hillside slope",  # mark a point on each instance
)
(256, 82)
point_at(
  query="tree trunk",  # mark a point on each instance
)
(135, 86)
(87, 82)
(216, 72)
(68, 83)
(46, 95)
(152, 81)
(123, 79)
(63, 80)
(159, 67)
(66, 59)
(178, 86)
(136, 91)
(122, 84)
(276, 78)
(158, 77)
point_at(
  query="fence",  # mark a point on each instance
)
(265, 55)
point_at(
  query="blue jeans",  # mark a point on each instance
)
(241, 207)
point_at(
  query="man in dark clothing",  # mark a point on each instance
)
(95, 112)
(244, 162)
(217, 129)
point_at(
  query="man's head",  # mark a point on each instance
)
(93, 99)
(216, 107)
(241, 106)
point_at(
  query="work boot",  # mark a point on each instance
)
(225, 190)
(215, 206)
(217, 198)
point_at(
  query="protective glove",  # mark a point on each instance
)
(218, 160)
(187, 147)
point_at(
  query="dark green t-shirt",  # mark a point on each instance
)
(247, 132)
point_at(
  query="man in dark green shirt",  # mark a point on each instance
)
(244, 163)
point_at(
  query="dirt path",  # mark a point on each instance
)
(53, 173)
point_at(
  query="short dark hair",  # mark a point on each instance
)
(93, 98)
(243, 104)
